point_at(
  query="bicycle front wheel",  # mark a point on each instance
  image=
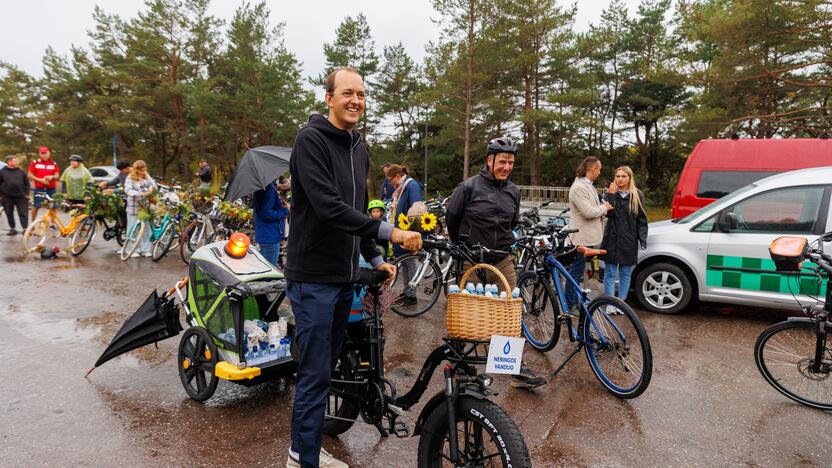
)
(785, 354)
(617, 347)
(132, 240)
(486, 436)
(163, 243)
(82, 237)
(35, 235)
(541, 308)
(417, 286)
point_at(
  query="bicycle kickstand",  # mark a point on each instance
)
(568, 358)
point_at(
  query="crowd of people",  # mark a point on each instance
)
(333, 221)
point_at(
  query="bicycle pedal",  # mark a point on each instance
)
(400, 429)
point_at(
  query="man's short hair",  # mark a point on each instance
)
(203, 160)
(329, 83)
(123, 164)
(10, 156)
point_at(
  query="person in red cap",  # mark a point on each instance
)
(45, 174)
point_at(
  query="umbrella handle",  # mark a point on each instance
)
(177, 287)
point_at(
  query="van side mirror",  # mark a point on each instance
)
(728, 221)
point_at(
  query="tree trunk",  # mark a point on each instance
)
(469, 92)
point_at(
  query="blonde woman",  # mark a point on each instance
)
(137, 186)
(625, 232)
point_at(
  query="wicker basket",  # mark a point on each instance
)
(472, 317)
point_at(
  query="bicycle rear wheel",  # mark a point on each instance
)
(617, 347)
(35, 235)
(541, 308)
(131, 241)
(425, 279)
(785, 354)
(82, 237)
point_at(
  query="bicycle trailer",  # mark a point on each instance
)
(238, 328)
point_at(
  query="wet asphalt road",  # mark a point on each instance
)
(706, 406)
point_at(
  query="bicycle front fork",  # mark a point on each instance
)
(450, 399)
(820, 343)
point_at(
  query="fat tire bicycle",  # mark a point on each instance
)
(795, 356)
(608, 331)
(80, 230)
(481, 433)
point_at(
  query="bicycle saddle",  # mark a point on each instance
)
(368, 277)
(590, 252)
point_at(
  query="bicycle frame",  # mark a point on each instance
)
(555, 270)
(52, 218)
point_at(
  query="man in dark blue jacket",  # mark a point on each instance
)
(329, 227)
(269, 222)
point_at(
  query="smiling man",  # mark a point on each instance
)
(484, 209)
(329, 227)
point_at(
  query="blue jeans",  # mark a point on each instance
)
(576, 271)
(321, 313)
(270, 252)
(624, 272)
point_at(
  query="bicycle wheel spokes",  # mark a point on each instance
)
(82, 237)
(417, 286)
(785, 355)
(35, 235)
(540, 311)
(617, 347)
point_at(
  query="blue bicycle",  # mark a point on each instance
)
(610, 333)
(162, 232)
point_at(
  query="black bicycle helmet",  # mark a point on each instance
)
(76, 157)
(501, 145)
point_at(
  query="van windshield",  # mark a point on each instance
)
(717, 205)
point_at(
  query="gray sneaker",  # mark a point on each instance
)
(325, 460)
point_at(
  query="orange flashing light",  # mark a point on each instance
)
(237, 245)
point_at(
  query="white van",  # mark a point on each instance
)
(720, 252)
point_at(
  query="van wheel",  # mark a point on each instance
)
(663, 288)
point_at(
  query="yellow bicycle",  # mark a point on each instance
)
(80, 231)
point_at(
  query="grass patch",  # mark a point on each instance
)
(657, 213)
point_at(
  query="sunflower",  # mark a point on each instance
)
(404, 222)
(428, 222)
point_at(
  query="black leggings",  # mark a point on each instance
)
(22, 205)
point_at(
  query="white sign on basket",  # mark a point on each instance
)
(505, 354)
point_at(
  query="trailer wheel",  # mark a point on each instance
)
(197, 361)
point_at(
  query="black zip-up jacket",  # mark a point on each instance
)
(329, 224)
(624, 232)
(13, 183)
(486, 209)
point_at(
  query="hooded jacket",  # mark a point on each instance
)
(13, 183)
(624, 232)
(486, 209)
(329, 225)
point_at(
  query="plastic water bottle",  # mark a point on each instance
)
(489, 294)
(502, 294)
(470, 288)
(515, 293)
(479, 289)
(273, 352)
(453, 289)
(465, 291)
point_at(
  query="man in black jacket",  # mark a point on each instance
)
(329, 227)
(14, 192)
(484, 209)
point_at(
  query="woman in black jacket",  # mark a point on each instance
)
(626, 230)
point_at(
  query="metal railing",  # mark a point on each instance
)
(540, 193)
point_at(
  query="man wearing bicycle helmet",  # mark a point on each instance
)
(484, 209)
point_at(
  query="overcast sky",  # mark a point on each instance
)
(29, 26)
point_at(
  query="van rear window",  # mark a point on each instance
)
(717, 184)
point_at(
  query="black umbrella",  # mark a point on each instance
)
(259, 167)
(156, 319)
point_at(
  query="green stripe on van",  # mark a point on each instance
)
(774, 281)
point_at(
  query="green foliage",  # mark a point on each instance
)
(175, 84)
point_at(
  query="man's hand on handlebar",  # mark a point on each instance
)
(409, 240)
